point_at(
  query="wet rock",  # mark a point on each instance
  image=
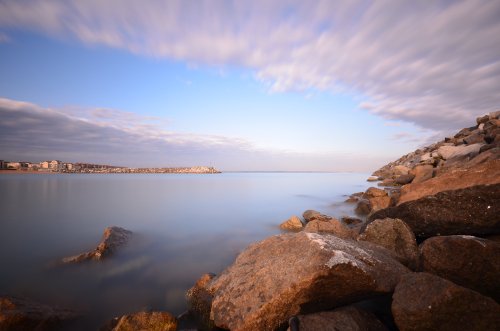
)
(112, 238)
(311, 215)
(23, 314)
(331, 226)
(292, 274)
(468, 261)
(423, 301)
(199, 300)
(404, 179)
(396, 236)
(292, 224)
(473, 210)
(422, 173)
(144, 321)
(351, 220)
(345, 318)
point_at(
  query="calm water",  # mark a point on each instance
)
(185, 225)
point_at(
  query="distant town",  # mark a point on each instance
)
(56, 166)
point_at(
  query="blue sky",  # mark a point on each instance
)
(245, 87)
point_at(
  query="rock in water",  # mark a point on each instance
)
(473, 210)
(144, 321)
(199, 300)
(465, 260)
(345, 318)
(311, 215)
(23, 314)
(332, 226)
(112, 238)
(396, 236)
(423, 301)
(290, 274)
(293, 224)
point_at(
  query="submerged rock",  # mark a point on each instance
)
(473, 210)
(292, 274)
(465, 260)
(293, 224)
(144, 321)
(345, 318)
(23, 314)
(395, 235)
(112, 238)
(423, 301)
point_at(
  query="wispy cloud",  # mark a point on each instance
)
(33, 133)
(435, 64)
(4, 38)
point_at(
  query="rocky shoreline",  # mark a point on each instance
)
(424, 254)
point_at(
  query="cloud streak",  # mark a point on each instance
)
(435, 64)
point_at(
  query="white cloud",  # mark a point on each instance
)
(435, 64)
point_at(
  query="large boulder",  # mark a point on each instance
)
(345, 318)
(290, 274)
(112, 238)
(482, 174)
(379, 203)
(422, 173)
(373, 192)
(24, 314)
(473, 210)
(396, 236)
(292, 224)
(423, 301)
(144, 321)
(450, 152)
(465, 260)
(332, 226)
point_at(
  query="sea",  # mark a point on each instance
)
(184, 225)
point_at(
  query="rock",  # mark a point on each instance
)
(474, 138)
(485, 156)
(372, 179)
(352, 199)
(486, 173)
(332, 226)
(311, 215)
(144, 321)
(373, 192)
(396, 236)
(363, 207)
(400, 170)
(482, 119)
(199, 300)
(422, 173)
(494, 115)
(345, 318)
(290, 274)
(465, 260)
(449, 152)
(423, 301)
(293, 224)
(379, 203)
(23, 314)
(473, 210)
(387, 182)
(112, 238)
(351, 220)
(404, 179)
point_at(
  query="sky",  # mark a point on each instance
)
(242, 85)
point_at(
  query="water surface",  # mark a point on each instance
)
(185, 225)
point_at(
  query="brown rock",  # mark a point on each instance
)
(351, 220)
(363, 207)
(482, 119)
(345, 318)
(144, 321)
(422, 173)
(293, 224)
(472, 210)
(311, 215)
(465, 260)
(199, 300)
(379, 203)
(396, 236)
(112, 238)
(292, 274)
(400, 170)
(485, 173)
(474, 138)
(374, 192)
(423, 301)
(332, 226)
(404, 179)
(23, 314)
(387, 182)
